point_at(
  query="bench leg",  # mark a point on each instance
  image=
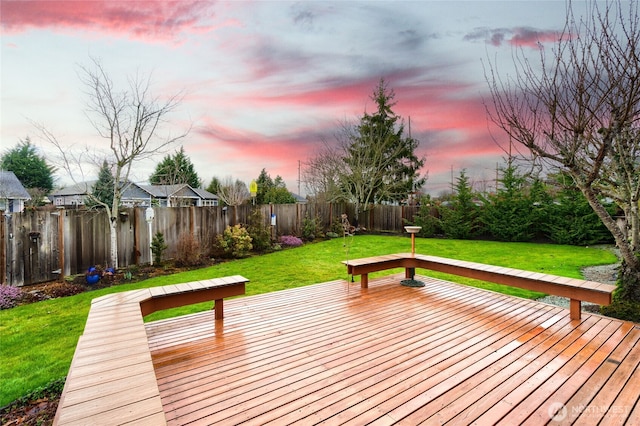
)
(364, 281)
(219, 309)
(575, 309)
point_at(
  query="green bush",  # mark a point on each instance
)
(425, 218)
(573, 221)
(158, 247)
(336, 227)
(259, 231)
(235, 241)
(311, 228)
(624, 310)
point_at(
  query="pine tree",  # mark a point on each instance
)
(30, 168)
(508, 214)
(175, 169)
(382, 153)
(459, 219)
(102, 190)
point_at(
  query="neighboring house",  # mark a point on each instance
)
(179, 195)
(12, 193)
(136, 195)
(299, 198)
(72, 196)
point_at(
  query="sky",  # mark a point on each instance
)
(264, 84)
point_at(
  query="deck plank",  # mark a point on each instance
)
(335, 353)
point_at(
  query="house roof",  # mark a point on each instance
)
(157, 191)
(204, 194)
(10, 187)
(80, 188)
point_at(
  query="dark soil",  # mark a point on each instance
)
(39, 408)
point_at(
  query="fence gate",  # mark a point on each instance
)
(31, 243)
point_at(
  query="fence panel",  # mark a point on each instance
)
(36, 244)
(31, 247)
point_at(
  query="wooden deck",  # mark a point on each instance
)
(334, 353)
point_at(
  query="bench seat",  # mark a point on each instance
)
(111, 379)
(576, 290)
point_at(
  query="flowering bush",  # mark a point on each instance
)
(235, 241)
(9, 296)
(290, 241)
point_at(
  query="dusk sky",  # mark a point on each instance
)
(265, 82)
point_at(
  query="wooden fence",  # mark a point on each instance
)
(46, 245)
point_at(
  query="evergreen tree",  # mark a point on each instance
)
(175, 169)
(214, 186)
(573, 220)
(459, 219)
(103, 189)
(30, 168)
(380, 143)
(272, 191)
(508, 214)
(541, 205)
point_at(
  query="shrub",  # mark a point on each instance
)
(290, 241)
(622, 309)
(259, 231)
(158, 247)
(336, 226)
(63, 290)
(311, 228)
(9, 296)
(425, 218)
(188, 251)
(235, 241)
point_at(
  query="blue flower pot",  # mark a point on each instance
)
(92, 279)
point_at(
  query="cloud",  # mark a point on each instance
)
(137, 19)
(517, 36)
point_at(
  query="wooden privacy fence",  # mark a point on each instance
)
(45, 245)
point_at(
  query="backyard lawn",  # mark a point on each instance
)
(37, 341)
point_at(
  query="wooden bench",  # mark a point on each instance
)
(575, 290)
(111, 379)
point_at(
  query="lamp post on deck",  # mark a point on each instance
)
(411, 272)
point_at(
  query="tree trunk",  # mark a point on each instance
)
(114, 243)
(629, 278)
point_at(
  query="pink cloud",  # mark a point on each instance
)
(139, 19)
(518, 36)
(529, 37)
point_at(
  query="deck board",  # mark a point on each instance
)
(335, 353)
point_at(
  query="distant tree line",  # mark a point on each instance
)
(523, 208)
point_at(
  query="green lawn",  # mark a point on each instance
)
(37, 341)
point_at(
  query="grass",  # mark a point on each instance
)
(37, 341)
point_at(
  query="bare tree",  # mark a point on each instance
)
(320, 174)
(130, 121)
(578, 110)
(233, 193)
(356, 169)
